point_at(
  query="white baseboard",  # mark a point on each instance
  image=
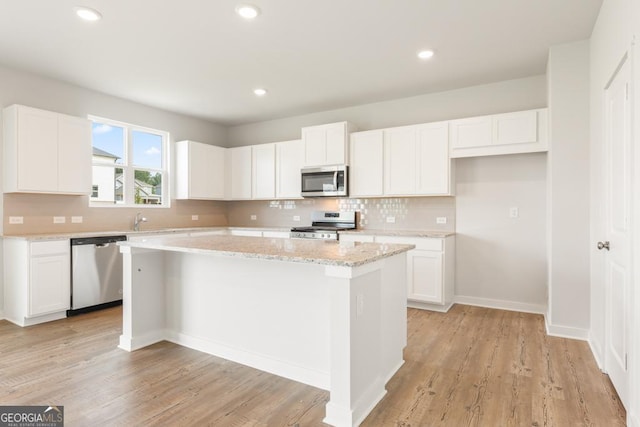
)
(596, 350)
(566, 331)
(500, 304)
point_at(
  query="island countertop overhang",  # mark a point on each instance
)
(333, 253)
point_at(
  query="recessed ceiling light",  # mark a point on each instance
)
(260, 91)
(247, 11)
(425, 54)
(88, 14)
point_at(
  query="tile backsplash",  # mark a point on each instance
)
(397, 213)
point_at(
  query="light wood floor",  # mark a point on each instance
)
(470, 367)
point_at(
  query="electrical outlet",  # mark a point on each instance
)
(195, 217)
(59, 220)
(254, 217)
(391, 219)
(296, 217)
(513, 212)
(16, 220)
(76, 219)
(441, 220)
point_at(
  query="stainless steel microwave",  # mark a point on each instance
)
(325, 181)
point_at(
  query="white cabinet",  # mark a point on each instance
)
(326, 144)
(416, 160)
(430, 268)
(239, 175)
(200, 171)
(509, 133)
(289, 161)
(263, 171)
(37, 282)
(367, 163)
(245, 232)
(46, 152)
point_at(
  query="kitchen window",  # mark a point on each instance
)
(130, 165)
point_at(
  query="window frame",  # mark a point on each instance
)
(128, 169)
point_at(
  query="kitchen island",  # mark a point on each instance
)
(328, 314)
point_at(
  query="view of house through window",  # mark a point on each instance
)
(129, 165)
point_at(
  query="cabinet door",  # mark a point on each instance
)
(198, 171)
(37, 150)
(74, 155)
(240, 172)
(367, 164)
(515, 128)
(49, 285)
(289, 161)
(264, 171)
(217, 172)
(315, 145)
(471, 132)
(432, 156)
(399, 161)
(424, 276)
(336, 144)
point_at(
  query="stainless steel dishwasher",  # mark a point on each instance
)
(96, 273)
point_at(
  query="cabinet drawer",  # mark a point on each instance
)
(50, 247)
(356, 238)
(422, 243)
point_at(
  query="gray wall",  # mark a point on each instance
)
(568, 189)
(512, 95)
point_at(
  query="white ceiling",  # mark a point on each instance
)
(199, 58)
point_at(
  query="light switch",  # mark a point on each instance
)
(59, 220)
(76, 219)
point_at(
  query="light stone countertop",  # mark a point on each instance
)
(402, 233)
(343, 254)
(150, 232)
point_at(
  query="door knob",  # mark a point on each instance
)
(603, 245)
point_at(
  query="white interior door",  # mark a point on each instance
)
(618, 262)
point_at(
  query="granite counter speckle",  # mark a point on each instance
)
(343, 254)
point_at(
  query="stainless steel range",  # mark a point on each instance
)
(325, 225)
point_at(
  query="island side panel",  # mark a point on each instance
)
(143, 298)
(361, 302)
(394, 314)
(268, 314)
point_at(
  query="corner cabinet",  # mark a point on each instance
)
(508, 133)
(37, 282)
(326, 144)
(430, 268)
(239, 175)
(289, 161)
(200, 171)
(46, 152)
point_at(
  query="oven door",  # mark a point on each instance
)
(326, 181)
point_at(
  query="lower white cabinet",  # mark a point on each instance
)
(430, 268)
(37, 280)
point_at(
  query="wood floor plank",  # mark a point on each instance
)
(471, 366)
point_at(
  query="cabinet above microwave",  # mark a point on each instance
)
(327, 144)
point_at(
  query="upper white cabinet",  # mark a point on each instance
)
(401, 161)
(367, 164)
(509, 133)
(263, 171)
(326, 144)
(46, 152)
(239, 176)
(416, 160)
(200, 171)
(289, 161)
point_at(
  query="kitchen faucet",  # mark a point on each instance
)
(137, 220)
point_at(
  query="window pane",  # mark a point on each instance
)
(148, 188)
(107, 185)
(108, 143)
(147, 150)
